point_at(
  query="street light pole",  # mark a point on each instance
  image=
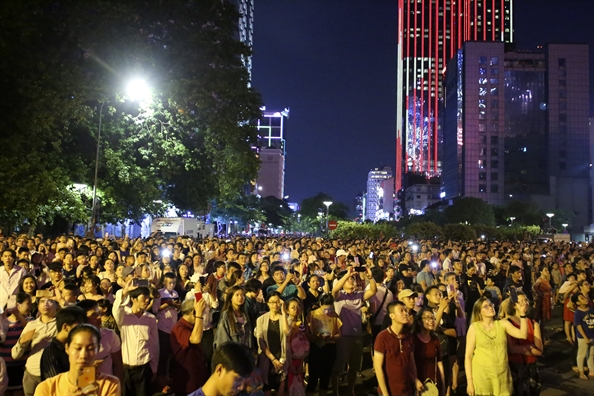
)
(327, 203)
(94, 207)
(550, 216)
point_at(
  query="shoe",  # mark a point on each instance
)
(583, 376)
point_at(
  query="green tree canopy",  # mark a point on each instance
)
(310, 207)
(63, 62)
(470, 210)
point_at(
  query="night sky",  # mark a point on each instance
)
(333, 63)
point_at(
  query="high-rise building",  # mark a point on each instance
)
(272, 151)
(379, 199)
(429, 34)
(516, 127)
(246, 28)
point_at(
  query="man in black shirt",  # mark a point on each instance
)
(54, 359)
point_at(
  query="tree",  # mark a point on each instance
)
(310, 207)
(425, 230)
(470, 210)
(63, 68)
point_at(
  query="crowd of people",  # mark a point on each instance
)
(288, 315)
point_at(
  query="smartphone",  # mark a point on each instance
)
(360, 269)
(44, 293)
(371, 255)
(140, 282)
(198, 296)
(86, 377)
(451, 289)
(513, 294)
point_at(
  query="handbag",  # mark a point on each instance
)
(430, 388)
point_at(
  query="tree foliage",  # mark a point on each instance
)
(425, 230)
(310, 207)
(470, 210)
(352, 230)
(63, 62)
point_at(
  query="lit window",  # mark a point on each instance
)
(494, 60)
(482, 71)
(482, 188)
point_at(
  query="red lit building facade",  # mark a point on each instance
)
(429, 34)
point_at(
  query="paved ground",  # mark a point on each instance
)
(557, 376)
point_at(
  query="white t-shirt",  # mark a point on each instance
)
(110, 343)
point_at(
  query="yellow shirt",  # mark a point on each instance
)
(61, 386)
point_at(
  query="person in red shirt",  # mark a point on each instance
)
(188, 364)
(394, 355)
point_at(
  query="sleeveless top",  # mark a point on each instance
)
(523, 359)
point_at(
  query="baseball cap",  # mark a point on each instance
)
(406, 293)
(340, 252)
(127, 271)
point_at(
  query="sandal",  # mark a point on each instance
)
(583, 376)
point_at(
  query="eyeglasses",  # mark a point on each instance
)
(274, 302)
(429, 318)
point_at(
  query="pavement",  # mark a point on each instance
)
(555, 366)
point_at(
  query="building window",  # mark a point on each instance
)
(482, 80)
(483, 139)
(495, 104)
(494, 152)
(495, 127)
(482, 151)
(482, 103)
(482, 115)
(562, 117)
(563, 128)
(562, 105)
(482, 188)
(482, 71)
(482, 175)
(494, 91)
(482, 91)
(561, 62)
(494, 81)
(494, 164)
(562, 83)
(494, 139)
(494, 176)
(494, 60)
(481, 164)
(482, 60)
(494, 188)
(494, 71)
(562, 166)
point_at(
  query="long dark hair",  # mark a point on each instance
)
(228, 307)
(417, 325)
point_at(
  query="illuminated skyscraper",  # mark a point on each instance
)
(379, 202)
(429, 34)
(246, 28)
(271, 149)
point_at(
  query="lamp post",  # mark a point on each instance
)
(564, 227)
(512, 220)
(327, 203)
(137, 90)
(550, 216)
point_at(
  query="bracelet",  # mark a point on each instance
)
(199, 317)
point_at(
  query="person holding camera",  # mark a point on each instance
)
(139, 332)
(286, 284)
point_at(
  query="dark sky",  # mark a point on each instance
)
(333, 63)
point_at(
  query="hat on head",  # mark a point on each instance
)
(127, 271)
(340, 252)
(55, 266)
(406, 293)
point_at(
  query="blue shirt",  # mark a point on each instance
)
(287, 294)
(197, 393)
(586, 319)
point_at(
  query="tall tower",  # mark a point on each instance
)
(429, 34)
(246, 28)
(272, 128)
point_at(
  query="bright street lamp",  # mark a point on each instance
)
(512, 220)
(327, 203)
(137, 90)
